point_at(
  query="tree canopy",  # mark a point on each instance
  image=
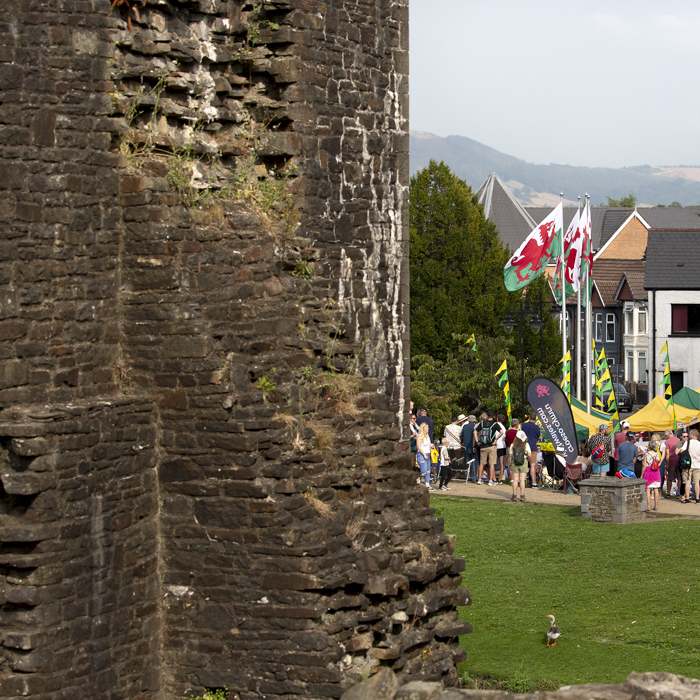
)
(628, 202)
(457, 263)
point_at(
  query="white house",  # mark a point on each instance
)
(635, 322)
(672, 280)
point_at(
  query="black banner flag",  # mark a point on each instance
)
(554, 413)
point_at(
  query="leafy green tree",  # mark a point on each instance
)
(628, 202)
(457, 290)
(457, 263)
(675, 205)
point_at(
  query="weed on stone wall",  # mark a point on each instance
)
(212, 694)
(195, 168)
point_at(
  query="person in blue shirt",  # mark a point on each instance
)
(423, 417)
(627, 453)
(468, 442)
(534, 435)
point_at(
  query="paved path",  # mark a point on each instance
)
(667, 506)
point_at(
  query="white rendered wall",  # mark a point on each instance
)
(683, 351)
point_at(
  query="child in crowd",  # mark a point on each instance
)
(445, 467)
(434, 461)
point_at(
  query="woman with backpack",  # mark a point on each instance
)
(652, 475)
(519, 464)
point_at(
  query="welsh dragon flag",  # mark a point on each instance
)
(573, 248)
(587, 252)
(530, 260)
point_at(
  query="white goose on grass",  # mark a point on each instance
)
(553, 632)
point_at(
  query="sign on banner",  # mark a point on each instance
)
(554, 413)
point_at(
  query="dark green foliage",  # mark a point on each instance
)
(457, 263)
(457, 289)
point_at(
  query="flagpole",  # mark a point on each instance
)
(578, 324)
(589, 325)
(563, 294)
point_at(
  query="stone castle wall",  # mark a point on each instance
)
(205, 238)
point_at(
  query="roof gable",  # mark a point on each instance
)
(624, 291)
(514, 224)
(628, 241)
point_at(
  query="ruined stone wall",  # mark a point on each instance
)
(59, 209)
(79, 586)
(254, 300)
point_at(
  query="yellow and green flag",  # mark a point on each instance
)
(503, 381)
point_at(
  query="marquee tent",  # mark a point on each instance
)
(656, 417)
(688, 398)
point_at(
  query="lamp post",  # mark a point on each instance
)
(535, 324)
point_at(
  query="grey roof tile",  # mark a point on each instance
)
(633, 271)
(612, 220)
(671, 217)
(673, 259)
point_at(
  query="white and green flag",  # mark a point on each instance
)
(530, 260)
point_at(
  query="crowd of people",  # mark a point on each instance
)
(490, 450)
(490, 453)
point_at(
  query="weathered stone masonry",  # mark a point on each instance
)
(168, 525)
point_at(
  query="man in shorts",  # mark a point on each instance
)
(486, 434)
(600, 446)
(532, 430)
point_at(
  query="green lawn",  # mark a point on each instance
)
(625, 596)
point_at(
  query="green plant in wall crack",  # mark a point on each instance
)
(303, 270)
(122, 377)
(212, 694)
(266, 385)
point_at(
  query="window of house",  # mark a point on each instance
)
(610, 328)
(642, 366)
(676, 381)
(629, 369)
(629, 322)
(685, 318)
(599, 328)
(642, 323)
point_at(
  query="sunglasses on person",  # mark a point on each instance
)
(685, 435)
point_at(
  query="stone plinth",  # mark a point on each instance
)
(613, 500)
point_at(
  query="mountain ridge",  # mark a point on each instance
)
(539, 184)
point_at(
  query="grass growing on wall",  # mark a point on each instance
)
(625, 596)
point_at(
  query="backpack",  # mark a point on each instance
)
(485, 436)
(651, 461)
(684, 458)
(434, 456)
(519, 455)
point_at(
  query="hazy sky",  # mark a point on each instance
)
(578, 82)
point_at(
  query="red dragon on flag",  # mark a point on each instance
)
(531, 258)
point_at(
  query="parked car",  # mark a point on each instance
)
(622, 396)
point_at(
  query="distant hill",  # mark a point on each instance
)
(540, 184)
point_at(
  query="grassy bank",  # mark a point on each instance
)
(625, 596)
